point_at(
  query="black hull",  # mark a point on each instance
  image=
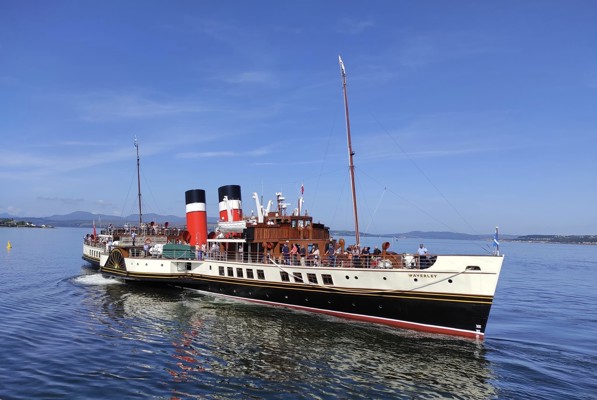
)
(94, 262)
(459, 315)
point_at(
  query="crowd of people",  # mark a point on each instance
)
(296, 254)
(335, 256)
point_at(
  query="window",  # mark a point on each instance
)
(239, 272)
(250, 274)
(298, 277)
(284, 276)
(327, 279)
(260, 274)
(312, 278)
(221, 271)
(230, 271)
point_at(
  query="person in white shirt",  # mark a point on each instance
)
(422, 250)
(423, 259)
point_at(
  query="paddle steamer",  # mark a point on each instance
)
(254, 259)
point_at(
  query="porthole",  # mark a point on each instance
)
(416, 280)
(450, 280)
(347, 277)
(385, 279)
(356, 277)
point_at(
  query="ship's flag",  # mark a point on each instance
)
(342, 67)
(302, 189)
(496, 241)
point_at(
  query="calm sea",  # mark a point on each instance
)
(66, 332)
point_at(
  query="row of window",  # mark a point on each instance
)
(297, 276)
(94, 253)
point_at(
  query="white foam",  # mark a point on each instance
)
(96, 280)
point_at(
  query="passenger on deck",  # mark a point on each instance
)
(303, 254)
(315, 254)
(356, 256)
(146, 246)
(423, 258)
(331, 253)
(294, 254)
(422, 250)
(366, 256)
(215, 251)
(286, 253)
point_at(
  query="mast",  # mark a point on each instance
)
(139, 184)
(350, 155)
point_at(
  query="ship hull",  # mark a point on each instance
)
(425, 312)
(401, 303)
(91, 254)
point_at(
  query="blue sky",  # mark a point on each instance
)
(465, 115)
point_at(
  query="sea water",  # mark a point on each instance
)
(67, 332)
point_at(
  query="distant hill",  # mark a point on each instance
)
(84, 219)
(570, 239)
(425, 235)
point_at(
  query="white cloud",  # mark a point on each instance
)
(63, 200)
(108, 107)
(252, 77)
(214, 154)
(354, 26)
(13, 210)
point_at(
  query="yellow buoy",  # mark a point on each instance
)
(9, 246)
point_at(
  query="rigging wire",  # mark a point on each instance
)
(152, 195)
(426, 177)
(126, 199)
(361, 199)
(376, 208)
(409, 202)
(323, 161)
(340, 196)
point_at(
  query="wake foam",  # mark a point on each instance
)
(96, 280)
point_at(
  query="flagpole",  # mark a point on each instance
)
(300, 201)
(138, 184)
(496, 241)
(350, 155)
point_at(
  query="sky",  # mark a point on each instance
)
(464, 115)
